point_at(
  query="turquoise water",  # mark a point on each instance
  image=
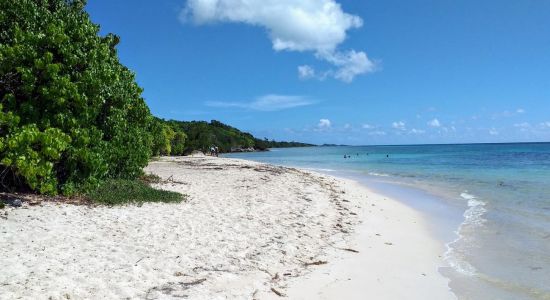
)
(496, 198)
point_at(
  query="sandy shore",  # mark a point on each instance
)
(247, 231)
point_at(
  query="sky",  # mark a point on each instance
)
(343, 71)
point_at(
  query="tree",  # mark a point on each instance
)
(70, 113)
(178, 143)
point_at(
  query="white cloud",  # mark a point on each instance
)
(417, 131)
(347, 126)
(350, 64)
(368, 126)
(271, 102)
(434, 123)
(399, 125)
(306, 72)
(522, 125)
(324, 124)
(545, 124)
(493, 131)
(308, 25)
(377, 132)
(508, 114)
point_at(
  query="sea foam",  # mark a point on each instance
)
(473, 217)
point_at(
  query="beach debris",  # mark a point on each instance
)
(179, 274)
(350, 250)
(16, 203)
(316, 263)
(388, 243)
(171, 288)
(277, 292)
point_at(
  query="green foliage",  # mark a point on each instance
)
(202, 135)
(122, 191)
(167, 139)
(178, 143)
(163, 137)
(150, 178)
(70, 113)
(264, 144)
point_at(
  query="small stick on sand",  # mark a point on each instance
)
(350, 250)
(316, 263)
(277, 292)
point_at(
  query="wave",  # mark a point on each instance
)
(320, 169)
(379, 174)
(473, 217)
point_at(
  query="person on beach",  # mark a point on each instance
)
(216, 150)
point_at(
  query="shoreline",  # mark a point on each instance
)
(249, 231)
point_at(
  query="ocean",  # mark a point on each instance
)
(489, 204)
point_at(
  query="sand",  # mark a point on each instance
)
(247, 231)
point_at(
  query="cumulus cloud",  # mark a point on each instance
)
(308, 25)
(545, 124)
(434, 123)
(271, 102)
(368, 126)
(399, 125)
(520, 111)
(493, 131)
(324, 124)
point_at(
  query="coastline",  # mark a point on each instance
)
(249, 231)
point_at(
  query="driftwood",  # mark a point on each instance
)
(350, 250)
(277, 292)
(316, 263)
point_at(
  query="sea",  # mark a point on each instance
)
(488, 204)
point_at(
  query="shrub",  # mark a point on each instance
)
(122, 191)
(70, 114)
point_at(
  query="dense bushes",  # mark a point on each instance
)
(202, 135)
(70, 114)
(167, 138)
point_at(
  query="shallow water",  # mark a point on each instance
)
(490, 204)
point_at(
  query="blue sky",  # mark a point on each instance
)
(342, 71)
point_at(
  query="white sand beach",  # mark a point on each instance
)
(247, 231)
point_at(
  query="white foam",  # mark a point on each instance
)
(379, 174)
(320, 169)
(473, 217)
